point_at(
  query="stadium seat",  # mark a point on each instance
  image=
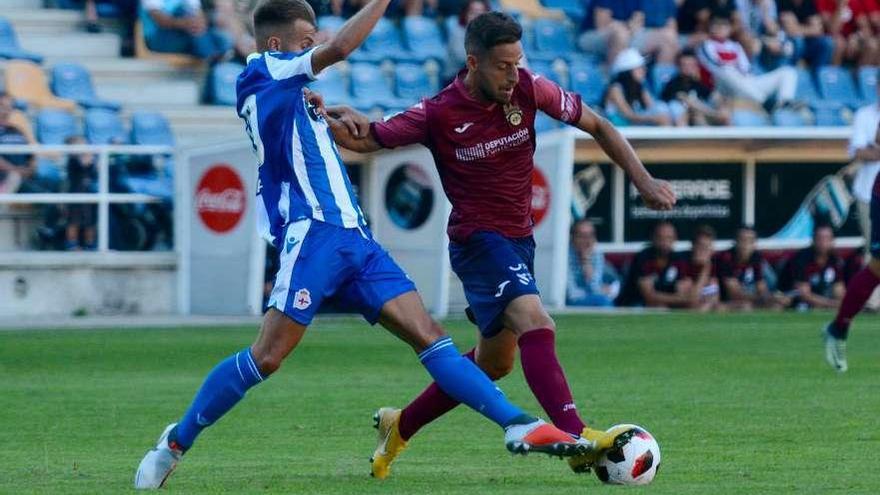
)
(660, 75)
(530, 8)
(73, 82)
(834, 115)
(788, 118)
(424, 38)
(552, 40)
(868, 84)
(589, 81)
(179, 60)
(104, 127)
(55, 126)
(545, 123)
(546, 69)
(9, 47)
(220, 88)
(331, 84)
(26, 81)
(370, 88)
(20, 121)
(576, 11)
(836, 85)
(330, 23)
(412, 83)
(744, 117)
(806, 90)
(383, 43)
(151, 128)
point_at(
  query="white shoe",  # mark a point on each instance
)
(158, 464)
(835, 351)
(539, 436)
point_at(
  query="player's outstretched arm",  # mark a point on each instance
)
(350, 36)
(657, 194)
(351, 129)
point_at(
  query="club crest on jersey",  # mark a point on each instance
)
(514, 115)
(303, 299)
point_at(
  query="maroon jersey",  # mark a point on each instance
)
(484, 152)
(749, 273)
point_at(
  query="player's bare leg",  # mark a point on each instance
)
(858, 292)
(224, 387)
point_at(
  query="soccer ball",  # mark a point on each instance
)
(635, 462)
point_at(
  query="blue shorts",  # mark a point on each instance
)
(494, 271)
(320, 261)
(875, 219)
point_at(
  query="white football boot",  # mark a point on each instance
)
(158, 464)
(835, 351)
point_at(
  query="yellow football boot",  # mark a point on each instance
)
(601, 440)
(389, 443)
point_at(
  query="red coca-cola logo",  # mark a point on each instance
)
(220, 199)
(540, 196)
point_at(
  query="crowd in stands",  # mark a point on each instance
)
(736, 279)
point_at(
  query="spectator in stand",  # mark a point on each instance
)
(397, 7)
(700, 269)
(605, 29)
(817, 273)
(730, 68)
(16, 170)
(656, 276)
(768, 43)
(802, 23)
(694, 17)
(82, 177)
(855, 27)
(741, 272)
(470, 9)
(592, 281)
(181, 26)
(704, 106)
(627, 100)
(655, 31)
(233, 18)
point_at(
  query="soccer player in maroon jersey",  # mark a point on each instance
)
(480, 130)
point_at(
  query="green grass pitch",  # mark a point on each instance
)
(740, 404)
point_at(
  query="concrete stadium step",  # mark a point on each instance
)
(166, 92)
(127, 69)
(28, 22)
(101, 45)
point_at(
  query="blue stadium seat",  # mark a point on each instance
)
(73, 82)
(868, 84)
(370, 88)
(220, 87)
(546, 69)
(332, 85)
(151, 128)
(788, 118)
(330, 23)
(383, 43)
(660, 75)
(552, 40)
(545, 123)
(55, 126)
(105, 127)
(9, 47)
(588, 80)
(806, 90)
(424, 38)
(833, 115)
(836, 84)
(412, 83)
(743, 117)
(576, 11)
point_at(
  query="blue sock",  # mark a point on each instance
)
(464, 382)
(222, 389)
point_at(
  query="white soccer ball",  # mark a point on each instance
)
(635, 462)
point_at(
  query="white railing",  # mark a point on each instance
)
(103, 198)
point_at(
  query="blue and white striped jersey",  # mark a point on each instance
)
(301, 174)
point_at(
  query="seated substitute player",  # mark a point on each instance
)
(656, 276)
(701, 270)
(741, 270)
(858, 291)
(814, 276)
(480, 130)
(308, 211)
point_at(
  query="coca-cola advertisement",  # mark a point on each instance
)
(220, 198)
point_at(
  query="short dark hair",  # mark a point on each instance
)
(272, 14)
(490, 30)
(687, 52)
(704, 231)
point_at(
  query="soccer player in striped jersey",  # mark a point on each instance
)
(480, 130)
(308, 211)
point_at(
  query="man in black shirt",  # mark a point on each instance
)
(802, 23)
(705, 107)
(656, 276)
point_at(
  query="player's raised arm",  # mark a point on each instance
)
(350, 36)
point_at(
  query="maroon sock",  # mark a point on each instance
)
(428, 406)
(547, 380)
(858, 291)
